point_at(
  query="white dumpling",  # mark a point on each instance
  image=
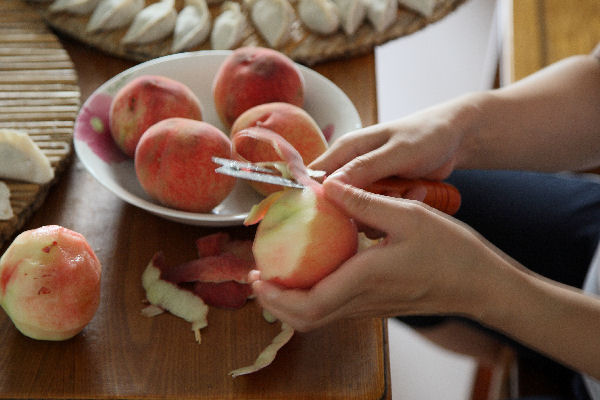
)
(6, 211)
(192, 26)
(320, 16)
(21, 159)
(114, 14)
(152, 23)
(423, 7)
(229, 27)
(81, 7)
(382, 13)
(352, 13)
(273, 20)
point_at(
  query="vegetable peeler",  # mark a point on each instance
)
(439, 195)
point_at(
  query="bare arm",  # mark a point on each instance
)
(549, 121)
(546, 122)
(430, 263)
(557, 320)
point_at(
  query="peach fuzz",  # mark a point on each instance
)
(173, 163)
(250, 76)
(50, 283)
(144, 101)
(302, 237)
(289, 121)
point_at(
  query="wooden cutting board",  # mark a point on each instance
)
(121, 353)
(38, 95)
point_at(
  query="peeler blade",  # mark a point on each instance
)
(253, 172)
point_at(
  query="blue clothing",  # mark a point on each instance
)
(548, 222)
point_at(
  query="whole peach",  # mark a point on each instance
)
(50, 283)
(144, 101)
(173, 163)
(250, 76)
(289, 121)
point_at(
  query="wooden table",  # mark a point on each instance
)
(541, 32)
(122, 354)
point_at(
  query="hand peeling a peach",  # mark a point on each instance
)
(318, 277)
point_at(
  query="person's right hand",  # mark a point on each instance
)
(422, 145)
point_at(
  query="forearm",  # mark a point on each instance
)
(549, 121)
(557, 320)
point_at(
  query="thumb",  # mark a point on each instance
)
(372, 210)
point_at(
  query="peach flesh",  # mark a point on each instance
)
(50, 283)
(143, 102)
(173, 163)
(255, 75)
(303, 238)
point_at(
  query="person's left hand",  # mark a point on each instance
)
(426, 264)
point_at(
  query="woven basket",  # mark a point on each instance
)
(303, 46)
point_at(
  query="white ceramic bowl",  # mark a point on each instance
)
(324, 101)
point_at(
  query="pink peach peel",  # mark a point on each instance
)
(291, 122)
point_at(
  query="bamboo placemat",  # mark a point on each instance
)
(304, 46)
(38, 95)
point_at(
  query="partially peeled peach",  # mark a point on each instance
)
(302, 236)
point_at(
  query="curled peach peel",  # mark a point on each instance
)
(170, 297)
(289, 160)
(220, 243)
(165, 290)
(213, 269)
(288, 121)
(217, 278)
(266, 357)
(211, 245)
(258, 211)
(152, 311)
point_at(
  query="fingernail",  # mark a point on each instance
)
(338, 175)
(253, 275)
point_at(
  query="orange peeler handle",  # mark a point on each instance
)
(440, 195)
